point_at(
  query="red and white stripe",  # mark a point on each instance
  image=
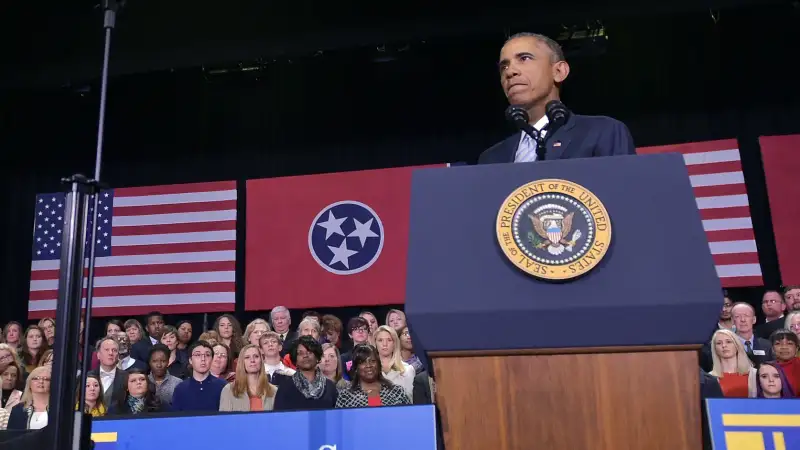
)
(715, 171)
(173, 250)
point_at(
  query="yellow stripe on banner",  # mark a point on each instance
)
(744, 440)
(761, 420)
(104, 437)
(777, 437)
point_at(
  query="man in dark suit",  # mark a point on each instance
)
(155, 328)
(532, 68)
(113, 380)
(758, 350)
(773, 306)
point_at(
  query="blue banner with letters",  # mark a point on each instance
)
(754, 424)
(386, 428)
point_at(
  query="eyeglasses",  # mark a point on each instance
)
(201, 355)
(360, 329)
(771, 301)
(40, 378)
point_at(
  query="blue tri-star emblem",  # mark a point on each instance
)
(346, 237)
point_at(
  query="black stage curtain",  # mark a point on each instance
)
(679, 78)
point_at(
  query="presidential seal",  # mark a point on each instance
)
(553, 229)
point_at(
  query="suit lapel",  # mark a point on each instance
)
(557, 143)
(510, 146)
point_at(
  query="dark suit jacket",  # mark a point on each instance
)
(765, 330)
(709, 388)
(761, 345)
(141, 349)
(118, 390)
(580, 137)
(421, 395)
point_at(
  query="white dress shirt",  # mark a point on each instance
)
(526, 150)
(107, 378)
(404, 379)
(126, 363)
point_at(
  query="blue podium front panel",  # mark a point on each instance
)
(754, 424)
(656, 285)
(385, 428)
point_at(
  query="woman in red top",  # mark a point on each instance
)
(369, 387)
(785, 344)
(736, 374)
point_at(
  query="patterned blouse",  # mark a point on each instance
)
(390, 394)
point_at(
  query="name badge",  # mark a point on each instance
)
(759, 352)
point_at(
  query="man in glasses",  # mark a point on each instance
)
(201, 391)
(773, 307)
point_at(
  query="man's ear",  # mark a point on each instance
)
(560, 71)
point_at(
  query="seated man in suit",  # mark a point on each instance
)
(155, 328)
(126, 361)
(113, 379)
(532, 68)
(744, 318)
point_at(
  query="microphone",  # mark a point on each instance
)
(519, 117)
(557, 114)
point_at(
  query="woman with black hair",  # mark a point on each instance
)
(368, 386)
(308, 388)
(140, 396)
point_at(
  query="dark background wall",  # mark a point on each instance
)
(363, 88)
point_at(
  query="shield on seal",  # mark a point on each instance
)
(553, 231)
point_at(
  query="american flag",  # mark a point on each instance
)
(715, 171)
(166, 248)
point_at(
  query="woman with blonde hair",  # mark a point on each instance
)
(396, 319)
(31, 412)
(736, 374)
(394, 369)
(47, 358)
(48, 325)
(331, 365)
(254, 331)
(250, 390)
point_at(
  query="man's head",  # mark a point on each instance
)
(772, 304)
(791, 295)
(155, 324)
(124, 344)
(281, 319)
(200, 356)
(744, 318)
(727, 304)
(108, 352)
(532, 68)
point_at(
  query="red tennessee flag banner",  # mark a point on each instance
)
(329, 240)
(715, 171)
(781, 157)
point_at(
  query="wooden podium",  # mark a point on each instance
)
(607, 361)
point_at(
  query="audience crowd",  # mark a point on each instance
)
(321, 363)
(141, 368)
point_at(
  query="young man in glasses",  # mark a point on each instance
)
(201, 391)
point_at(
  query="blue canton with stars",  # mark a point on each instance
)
(48, 225)
(346, 237)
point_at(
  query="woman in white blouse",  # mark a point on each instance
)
(394, 369)
(31, 412)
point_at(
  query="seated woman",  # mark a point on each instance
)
(308, 388)
(31, 412)
(369, 387)
(736, 374)
(255, 330)
(176, 365)
(250, 390)
(331, 365)
(407, 351)
(93, 402)
(772, 382)
(785, 345)
(394, 369)
(165, 384)
(12, 374)
(222, 363)
(4, 414)
(47, 358)
(140, 396)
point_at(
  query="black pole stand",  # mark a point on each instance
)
(70, 428)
